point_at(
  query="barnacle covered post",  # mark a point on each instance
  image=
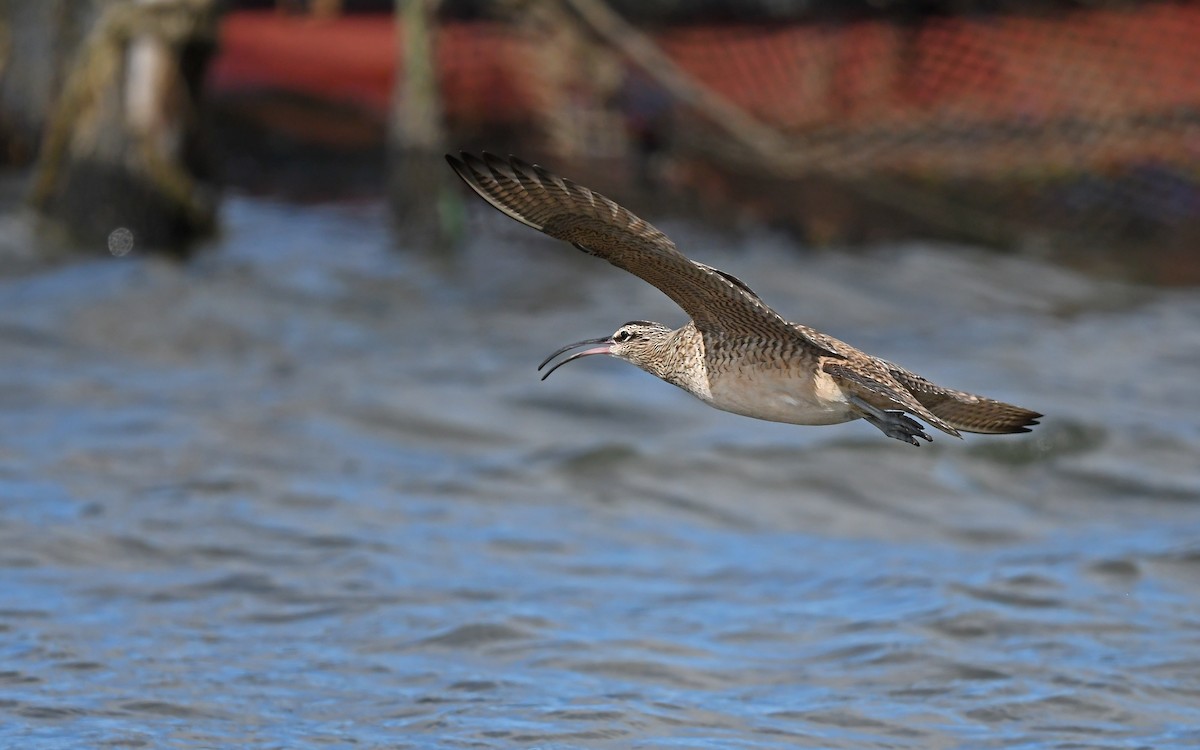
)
(121, 147)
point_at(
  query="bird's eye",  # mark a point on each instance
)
(622, 337)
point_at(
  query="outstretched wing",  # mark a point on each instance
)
(716, 301)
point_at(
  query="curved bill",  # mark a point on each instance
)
(606, 345)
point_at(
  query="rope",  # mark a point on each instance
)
(755, 135)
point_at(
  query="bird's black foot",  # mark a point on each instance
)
(892, 422)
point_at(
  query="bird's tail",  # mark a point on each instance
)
(966, 411)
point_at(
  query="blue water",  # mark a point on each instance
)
(308, 491)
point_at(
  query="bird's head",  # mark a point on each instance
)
(639, 342)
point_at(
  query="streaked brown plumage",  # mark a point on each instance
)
(736, 353)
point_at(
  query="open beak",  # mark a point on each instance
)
(604, 348)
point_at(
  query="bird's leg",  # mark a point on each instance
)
(891, 422)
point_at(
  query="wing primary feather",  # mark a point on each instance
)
(475, 173)
(551, 181)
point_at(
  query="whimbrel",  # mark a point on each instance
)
(736, 353)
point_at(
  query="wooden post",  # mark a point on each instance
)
(120, 152)
(326, 8)
(418, 115)
(424, 201)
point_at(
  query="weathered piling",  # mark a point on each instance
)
(121, 151)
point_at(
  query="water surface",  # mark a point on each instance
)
(308, 491)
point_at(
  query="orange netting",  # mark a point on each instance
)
(1090, 88)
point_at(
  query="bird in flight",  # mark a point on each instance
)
(736, 353)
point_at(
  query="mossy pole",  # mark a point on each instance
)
(424, 202)
(120, 151)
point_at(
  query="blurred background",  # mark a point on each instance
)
(276, 469)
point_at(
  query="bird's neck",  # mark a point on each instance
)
(678, 358)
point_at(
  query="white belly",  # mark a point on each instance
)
(781, 396)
